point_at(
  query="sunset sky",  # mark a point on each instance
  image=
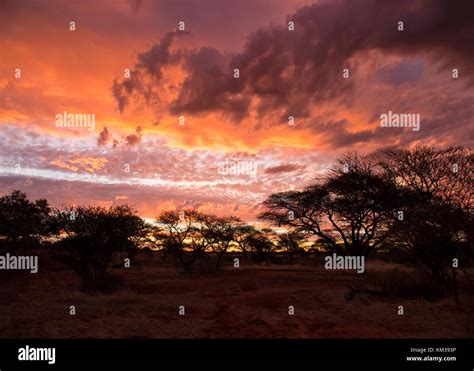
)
(139, 153)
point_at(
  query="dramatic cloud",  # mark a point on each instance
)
(134, 139)
(287, 168)
(104, 137)
(232, 109)
(403, 72)
(289, 70)
(131, 139)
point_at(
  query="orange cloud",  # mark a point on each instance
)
(88, 164)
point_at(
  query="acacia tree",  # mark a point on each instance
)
(23, 222)
(95, 235)
(188, 234)
(221, 232)
(433, 174)
(185, 235)
(347, 211)
(418, 200)
(260, 244)
(437, 223)
(243, 237)
(290, 242)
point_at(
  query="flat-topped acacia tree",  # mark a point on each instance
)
(418, 200)
(349, 210)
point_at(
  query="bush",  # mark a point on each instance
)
(95, 236)
(23, 222)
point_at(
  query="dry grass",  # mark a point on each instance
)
(406, 284)
(249, 302)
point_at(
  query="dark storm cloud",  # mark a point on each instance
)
(104, 137)
(337, 134)
(208, 84)
(134, 139)
(158, 56)
(408, 71)
(131, 139)
(119, 93)
(286, 168)
(289, 70)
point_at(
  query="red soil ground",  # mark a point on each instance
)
(249, 302)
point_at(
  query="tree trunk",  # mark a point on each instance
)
(219, 258)
(455, 286)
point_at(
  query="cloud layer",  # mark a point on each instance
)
(174, 126)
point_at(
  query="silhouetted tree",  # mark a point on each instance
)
(23, 222)
(260, 245)
(242, 237)
(347, 211)
(418, 200)
(221, 232)
(95, 235)
(185, 234)
(290, 243)
(434, 174)
(437, 208)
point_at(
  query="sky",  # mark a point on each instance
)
(215, 104)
